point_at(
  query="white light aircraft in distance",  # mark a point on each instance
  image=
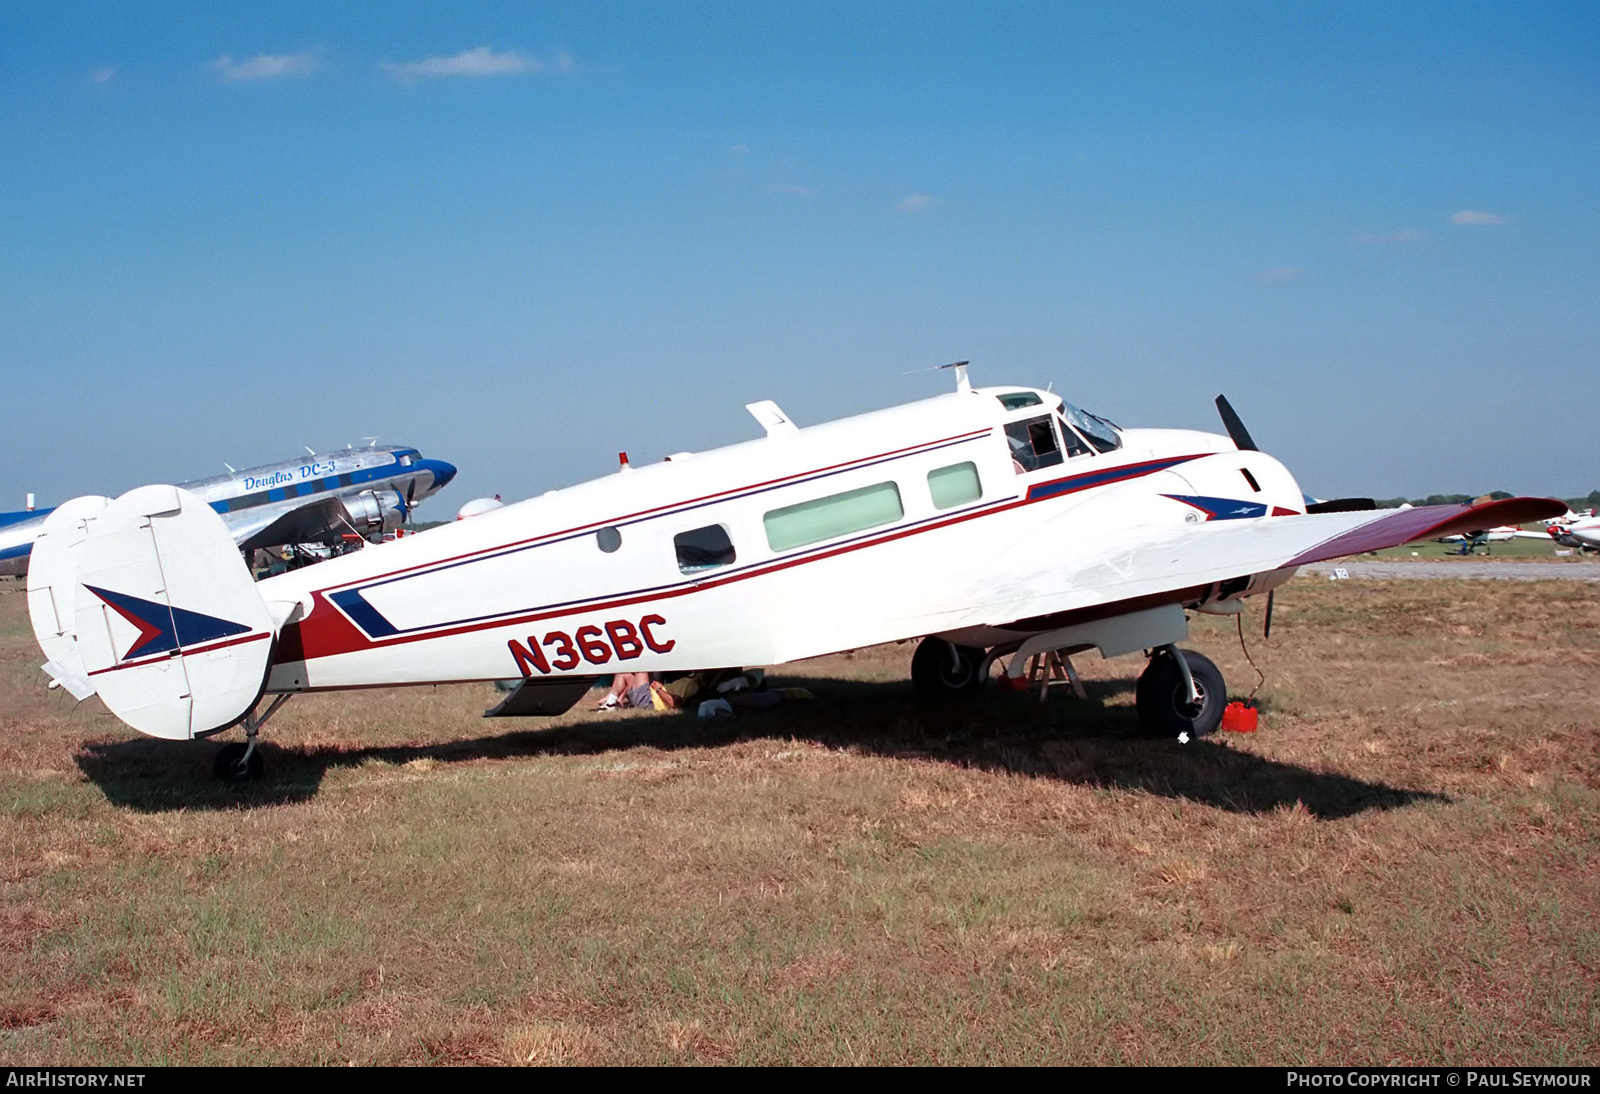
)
(992, 523)
(366, 491)
(1581, 531)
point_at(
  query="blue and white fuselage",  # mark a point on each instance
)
(290, 501)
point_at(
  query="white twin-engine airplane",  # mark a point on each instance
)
(993, 523)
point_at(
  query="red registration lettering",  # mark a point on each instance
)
(650, 639)
(528, 657)
(566, 657)
(624, 639)
(595, 651)
(628, 640)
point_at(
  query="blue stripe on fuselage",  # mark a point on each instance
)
(1089, 479)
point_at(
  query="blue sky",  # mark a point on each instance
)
(524, 237)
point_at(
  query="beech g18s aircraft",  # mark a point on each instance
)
(992, 523)
(366, 491)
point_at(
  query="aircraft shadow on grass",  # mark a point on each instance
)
(1088, 743)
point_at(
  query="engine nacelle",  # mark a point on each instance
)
(376, 512)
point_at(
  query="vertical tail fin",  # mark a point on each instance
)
(146, 602)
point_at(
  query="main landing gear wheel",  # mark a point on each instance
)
(231, 766)
(943, 670)
(1162, 697)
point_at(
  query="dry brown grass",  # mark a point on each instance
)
(1399, 868)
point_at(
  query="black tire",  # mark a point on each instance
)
(1163, 702)
(227, 765)
(938, 676)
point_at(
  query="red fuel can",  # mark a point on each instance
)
(1240, 716)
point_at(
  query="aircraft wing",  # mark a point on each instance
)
(309, 522)
(1146, 566)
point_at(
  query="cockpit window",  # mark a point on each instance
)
(1099, 432)
(1033, 444)
(1074, 443)
(406, 458)
(1016, 400)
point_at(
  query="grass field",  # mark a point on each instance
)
(1400, 868)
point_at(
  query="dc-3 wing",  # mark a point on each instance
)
(311, 522)
(1152, 565)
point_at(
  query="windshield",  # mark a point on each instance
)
(1096, 430)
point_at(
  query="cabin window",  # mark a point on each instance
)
(835, 515)
(609, 538)
(1016, 400)
(954, 485)
(345, 480)
(701, 549)
(1033, 444)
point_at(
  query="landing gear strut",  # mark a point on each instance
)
(240, 763)
(944, 670)
(1180, 691)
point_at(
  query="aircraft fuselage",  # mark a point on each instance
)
(967, 514)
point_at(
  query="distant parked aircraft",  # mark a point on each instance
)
(318, 499)
(1575, 530)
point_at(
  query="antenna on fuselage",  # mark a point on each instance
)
(307, 447)
(962, 383)
(230, 467)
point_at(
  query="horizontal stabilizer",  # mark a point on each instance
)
(70, 678)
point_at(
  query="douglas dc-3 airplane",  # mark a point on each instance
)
(365, 491)
(992, 523)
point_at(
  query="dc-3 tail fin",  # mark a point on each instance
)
(146, 602)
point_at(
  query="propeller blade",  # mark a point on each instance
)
(1235, 427)
(1266, 622)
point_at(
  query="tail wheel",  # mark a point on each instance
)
(943, 670)
(230, 765)
(1162, 699)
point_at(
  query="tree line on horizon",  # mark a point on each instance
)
(1590, 501)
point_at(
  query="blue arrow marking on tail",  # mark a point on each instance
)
(162, 628)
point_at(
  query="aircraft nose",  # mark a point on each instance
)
(442, 473)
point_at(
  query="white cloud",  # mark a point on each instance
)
(1280, 274)
(1471, 218)
(266, 66)
(1399, 235)
(916, 203)
(481, 61)
(104, 75)
(739, 149)
(791, 188)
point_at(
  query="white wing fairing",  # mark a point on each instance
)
(992, 517)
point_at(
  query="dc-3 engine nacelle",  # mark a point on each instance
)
(377, 512)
